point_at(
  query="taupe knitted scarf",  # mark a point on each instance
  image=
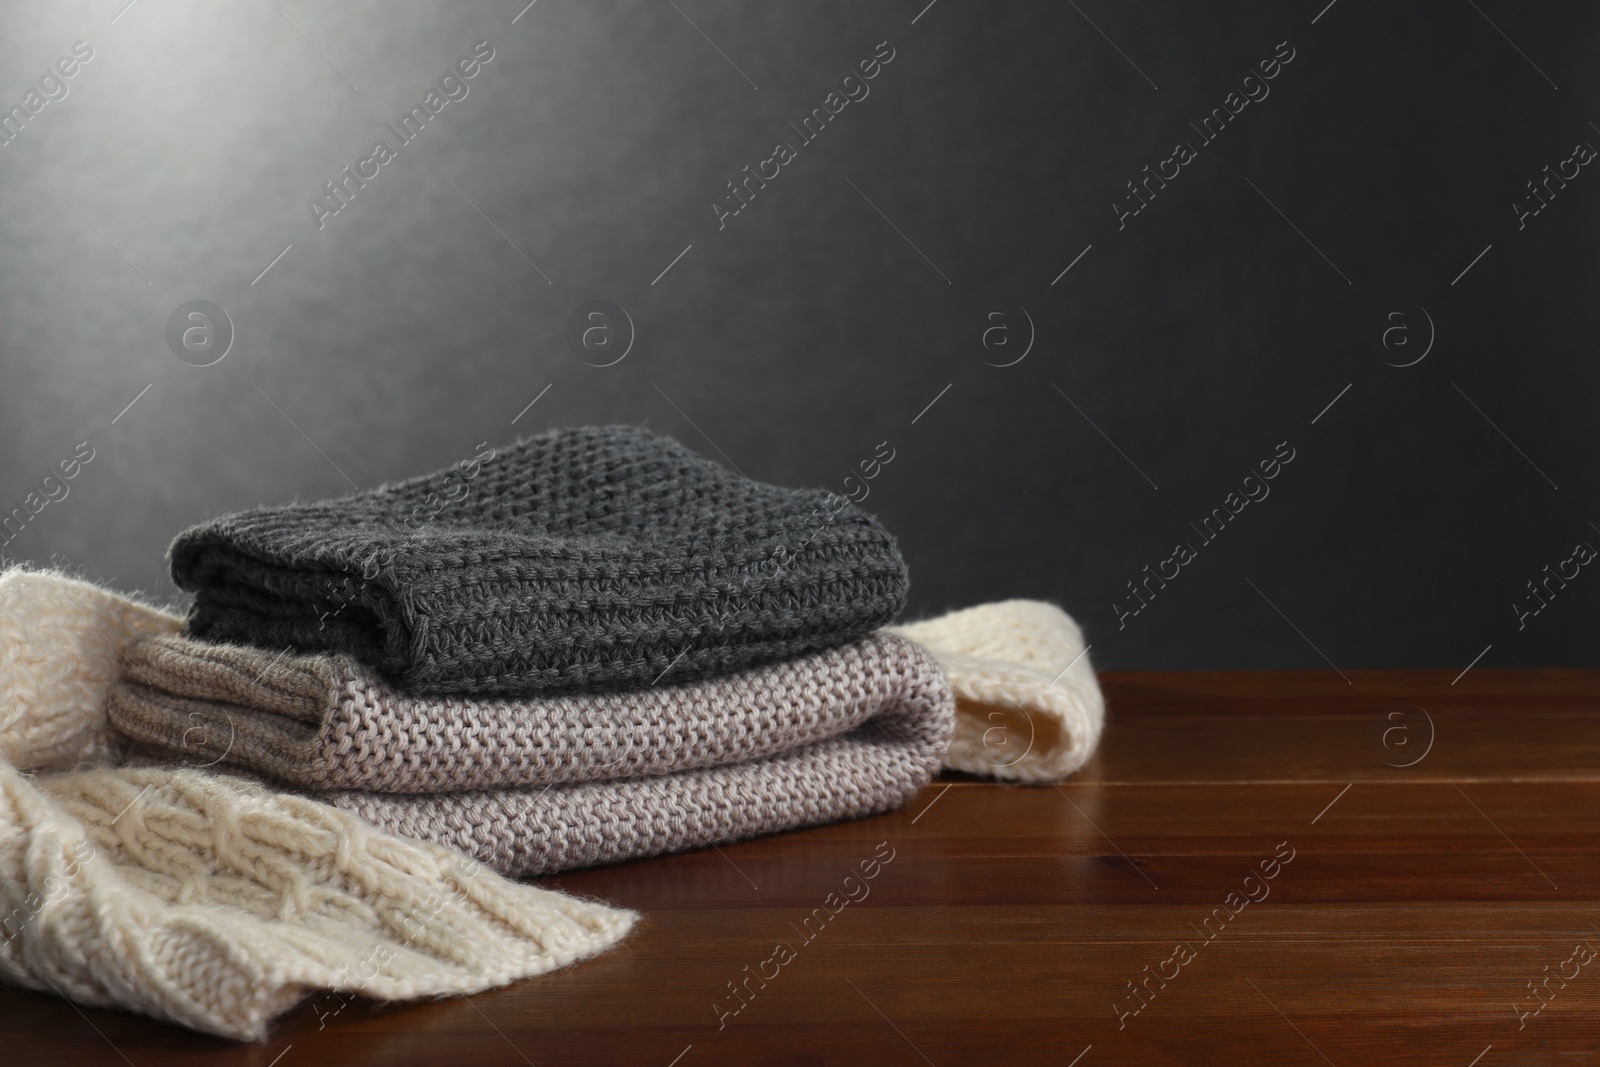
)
(531, 786)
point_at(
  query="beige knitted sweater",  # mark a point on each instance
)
(548, 783)
(205, 899)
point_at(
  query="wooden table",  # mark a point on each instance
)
(1414, 914)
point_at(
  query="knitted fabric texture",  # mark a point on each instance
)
(327, 722)
(580, 559)
(545, 784)
(1028, 708)
(205, 899)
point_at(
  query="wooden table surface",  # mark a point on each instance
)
(1436, 913)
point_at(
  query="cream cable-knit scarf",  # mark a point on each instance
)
(206, 899)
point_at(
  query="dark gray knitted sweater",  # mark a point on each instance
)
(589, 558)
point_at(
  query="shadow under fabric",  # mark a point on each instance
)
(205, 899)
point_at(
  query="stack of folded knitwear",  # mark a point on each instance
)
(591, 646)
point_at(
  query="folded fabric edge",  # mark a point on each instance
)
(1028, 705)
(1021, 728)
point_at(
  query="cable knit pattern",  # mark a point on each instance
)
(580, 559)
(532, 786)
(205, 899)
(1028, 706)
(324, 722)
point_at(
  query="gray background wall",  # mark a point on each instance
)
(854, 290)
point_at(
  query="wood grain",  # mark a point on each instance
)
(1420, 903)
